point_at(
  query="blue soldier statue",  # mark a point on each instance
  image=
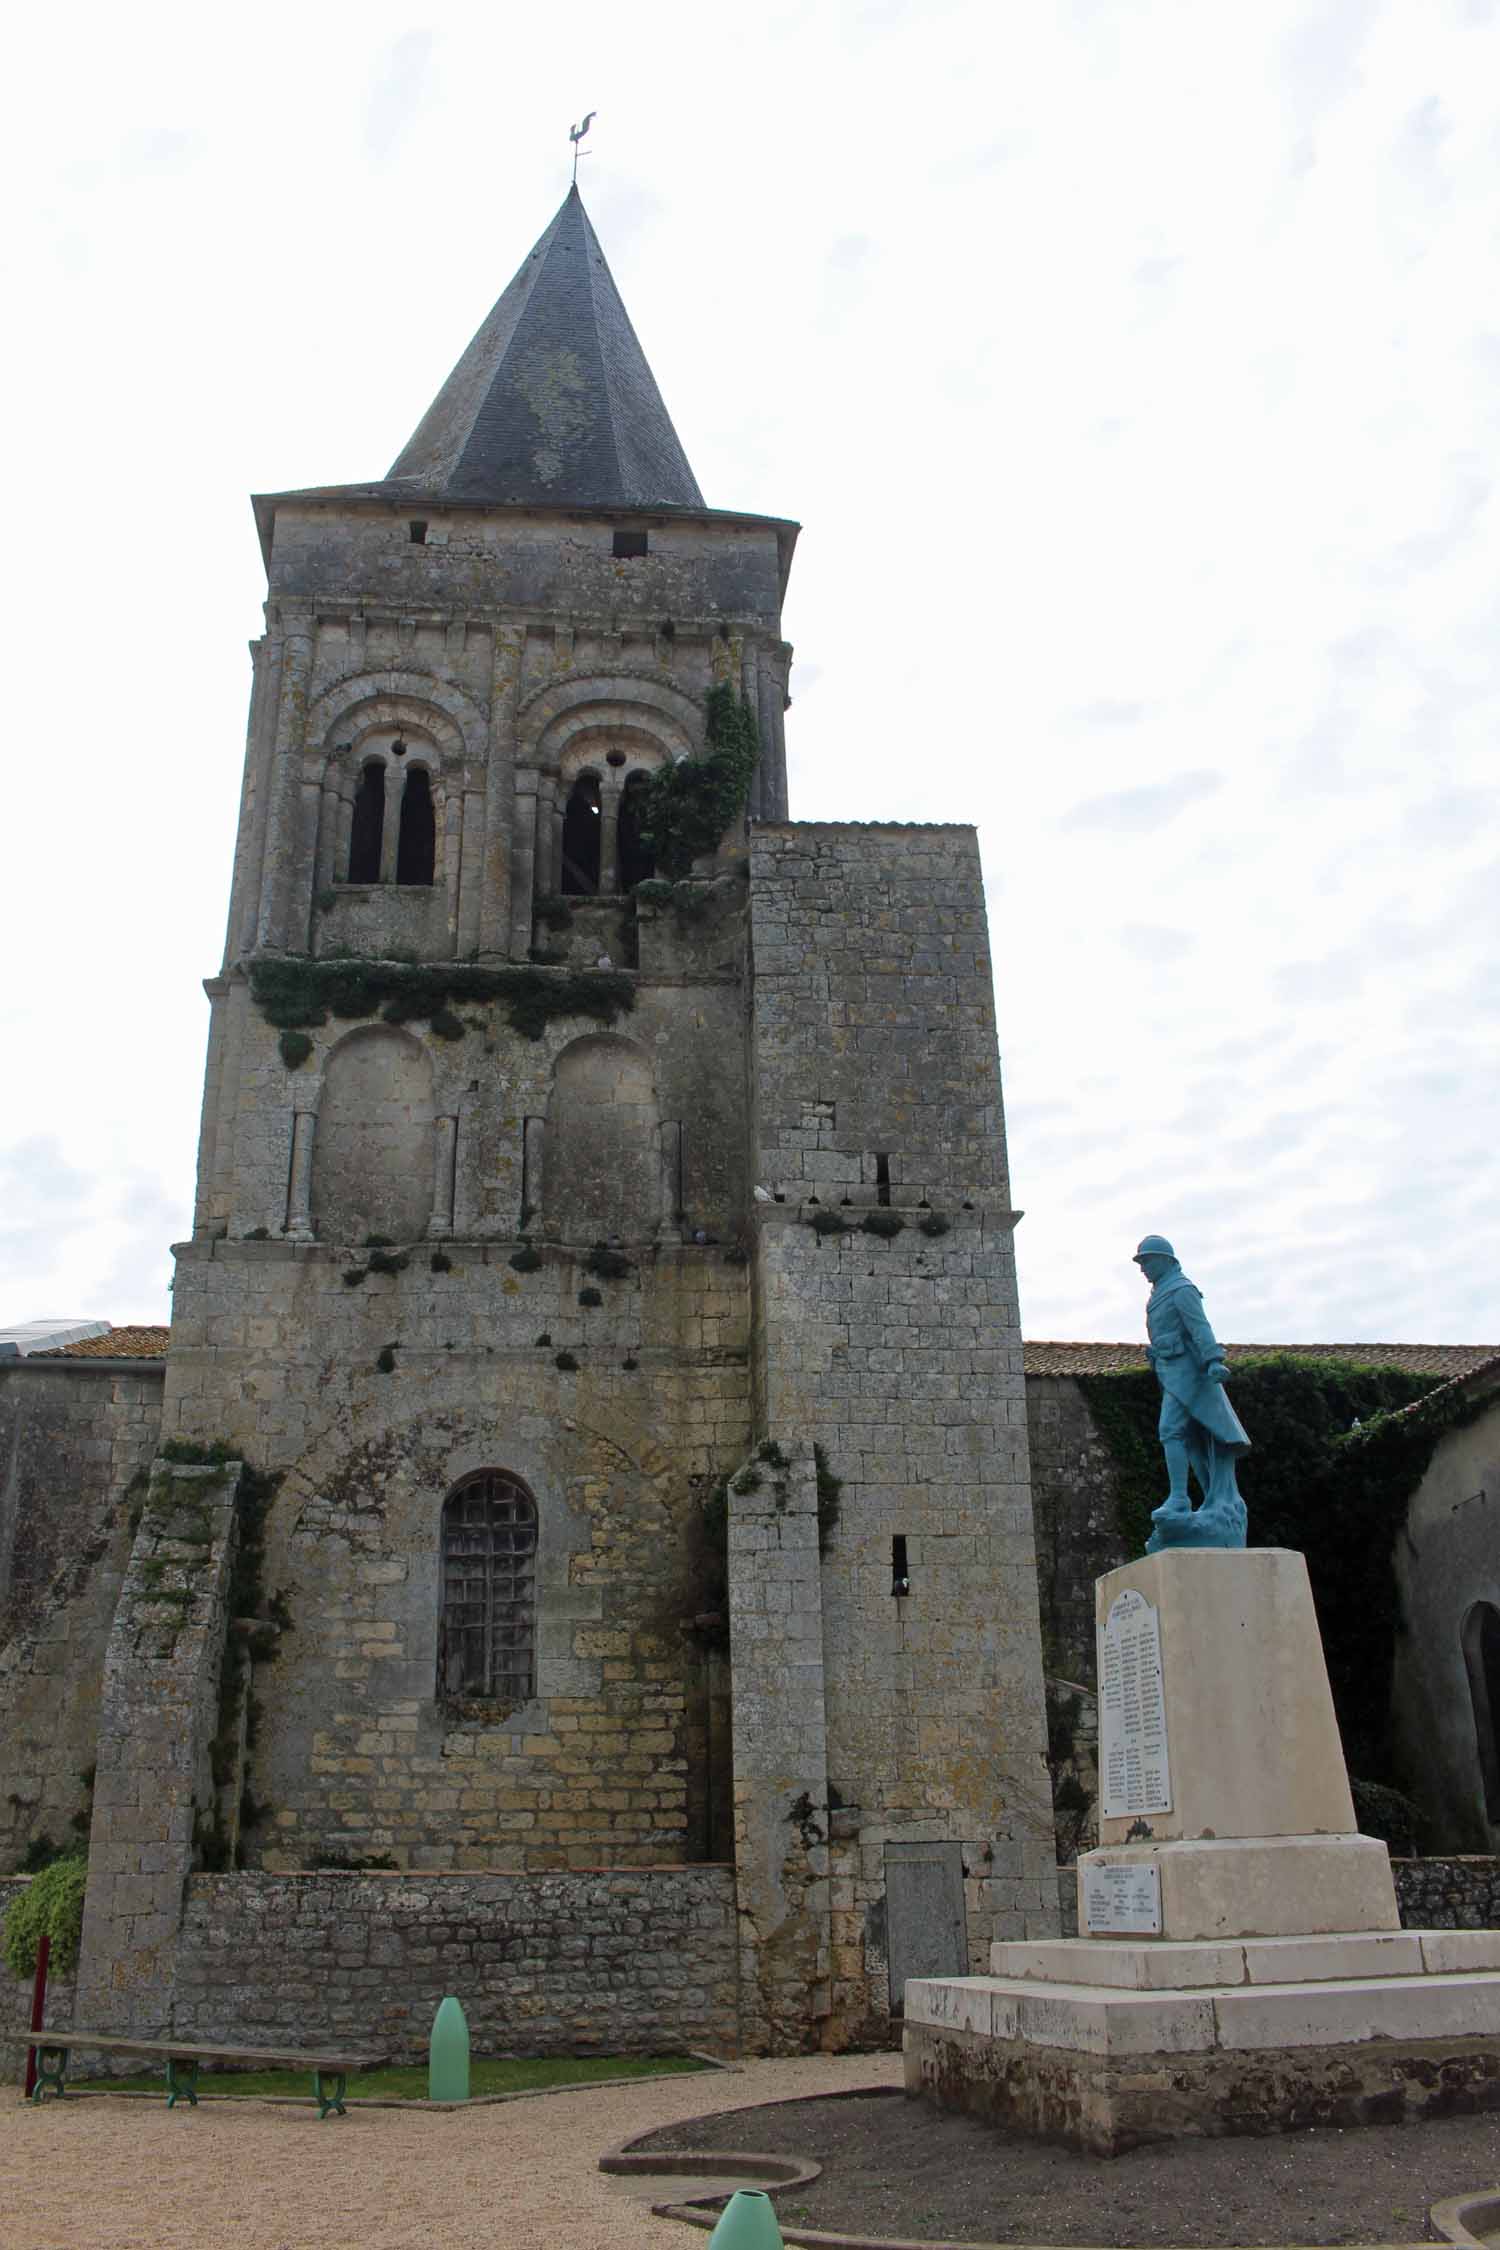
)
(1199, 1429)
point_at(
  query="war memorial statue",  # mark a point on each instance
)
(1199, 1429)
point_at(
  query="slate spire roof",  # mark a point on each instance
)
(553, 401)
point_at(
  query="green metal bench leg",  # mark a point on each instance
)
(332, 2101)
(182, 2080)
(51, 2069)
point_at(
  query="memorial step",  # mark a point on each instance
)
(1164, 1964)
(1109, 2020)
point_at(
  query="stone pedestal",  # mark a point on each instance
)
(1242, 1969)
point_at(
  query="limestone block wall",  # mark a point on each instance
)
(73, 1434)
(876, 1092)
(626, 1961)
(780, 1749)
(154, 1788)
(354, 1752)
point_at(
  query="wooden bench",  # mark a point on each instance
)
(182, 2057)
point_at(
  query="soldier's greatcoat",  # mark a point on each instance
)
(1182, 1346)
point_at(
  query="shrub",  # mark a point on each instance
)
(526, 1260)
(609, 1265)
(566, 1363)
(884, 1223)
(827, 1222)
(440, 1262)
(590, 1297)
(51, 1905)
(934, 1224)
(295, 1048)
(447, 1025)
(354, 1275)
(389, 1261)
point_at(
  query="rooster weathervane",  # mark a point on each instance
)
(575, 135)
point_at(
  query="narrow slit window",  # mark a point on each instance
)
(882, 1179)
(416, 845)
(418, 533)
(900, 1575)
(487, 1632)
(368, 827)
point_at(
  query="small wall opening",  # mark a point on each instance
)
(629, 545)
(417, 532)
(637, 861)
(582, 825)
(1481, 1644)
(368, 827)
(882, 1179)
(416, 846)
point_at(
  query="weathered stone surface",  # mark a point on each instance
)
(620, 1961)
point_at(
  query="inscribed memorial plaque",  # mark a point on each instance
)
(1122, 1899)
(1134, 1776)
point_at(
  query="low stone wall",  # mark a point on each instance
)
(1448, 1894)
(634, 1961)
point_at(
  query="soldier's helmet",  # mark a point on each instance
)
(1154, 1246)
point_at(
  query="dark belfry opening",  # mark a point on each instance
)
(636, 859)
(368, 826)
(416, 845)
(580, 838)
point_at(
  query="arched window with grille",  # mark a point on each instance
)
(487, 1628)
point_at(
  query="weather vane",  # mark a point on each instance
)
(575, 135)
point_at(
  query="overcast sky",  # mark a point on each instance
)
(1133, 370)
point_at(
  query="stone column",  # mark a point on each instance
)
(153, 1783)
(471, 870)
(523, 863)
(390, 834)
(668, 1225)
(533, 1166)
(299, 1224)
(444, 1144)
(506, 835)
(284, 811)
(611, 787)
(782, 1884)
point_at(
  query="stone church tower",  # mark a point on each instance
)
(544, 1186)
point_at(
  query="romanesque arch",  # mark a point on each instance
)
(372, 1156)
(602, 1169)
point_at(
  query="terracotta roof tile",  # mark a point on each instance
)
(120, 1343)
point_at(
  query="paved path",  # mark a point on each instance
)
(119, 2174)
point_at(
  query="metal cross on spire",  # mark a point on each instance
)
(575, 135)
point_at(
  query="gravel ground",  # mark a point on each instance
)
(107, 2173)
(894, 2167)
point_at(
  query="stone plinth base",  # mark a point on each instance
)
(1106, 2105)
(1108, 2043)
(1268, 1886)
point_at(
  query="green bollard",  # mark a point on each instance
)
(748, 2223)
(448, 2054)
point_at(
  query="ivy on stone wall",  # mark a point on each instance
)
(51, 1905)
(1334, 1462)
(690, 806)
(292, 992)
